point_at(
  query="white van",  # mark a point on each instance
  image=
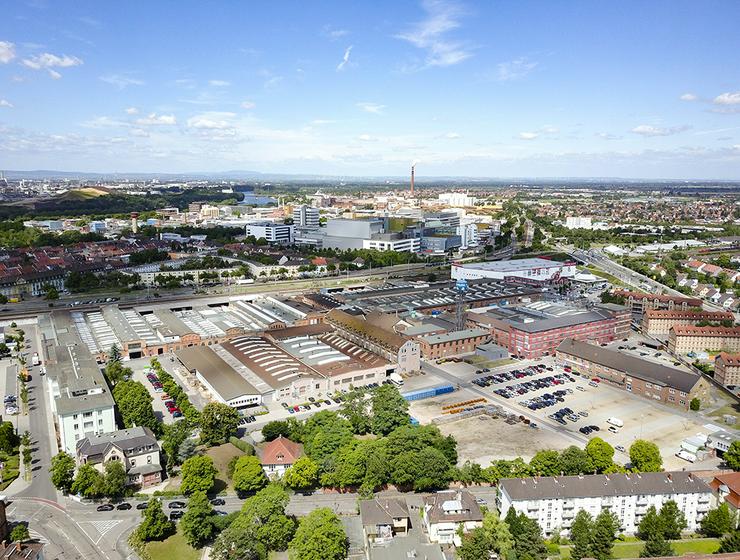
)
(615, 422)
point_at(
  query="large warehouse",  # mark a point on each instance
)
(534, 270)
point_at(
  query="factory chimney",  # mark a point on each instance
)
(135, 222)
(413, 168)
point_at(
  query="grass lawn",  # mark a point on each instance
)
(732, 409)
(221, 455)
(631, 549)
(605, 275)
(484, 362)
(11, 468)
(171, 548)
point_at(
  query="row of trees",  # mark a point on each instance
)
(259, 528)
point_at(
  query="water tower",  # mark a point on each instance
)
(461, 287)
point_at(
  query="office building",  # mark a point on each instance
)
(457, 200)
(305, 217)
(273, 232)
(578, 222)
(554, 501)
(658, 322)
(684, 339)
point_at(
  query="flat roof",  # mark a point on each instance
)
(219, 375)
(547, 317)
(454, 336)
(514, 265)
(631, 365)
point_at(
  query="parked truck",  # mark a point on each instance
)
(35, 359)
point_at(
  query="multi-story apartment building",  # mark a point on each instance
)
(273, 232)
(136, 448)
(727, 369)
(640, 302)
(648, 379)
(683, 339)
(554, 501)
(658, 322)
(536, 330)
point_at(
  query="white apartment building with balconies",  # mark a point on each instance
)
(554, 501)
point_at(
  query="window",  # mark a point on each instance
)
(87, 425)
(87, 415)
(74, 417)
(77, 426)
(149, 460)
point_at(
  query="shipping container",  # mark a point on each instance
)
(428, 392)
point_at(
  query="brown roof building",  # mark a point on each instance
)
(279, 455)
(727, 487)
(447, 511)
(658, 322)
(727, 369)
(683, 339)
(640, 302)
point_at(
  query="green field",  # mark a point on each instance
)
(606, 276)
(11, 469)
(172, 548)
(632, 548)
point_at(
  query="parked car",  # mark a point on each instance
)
(124, 506)
(218, 502)
(177, 505)
(142, 505)
(105, 507)
(176, 515)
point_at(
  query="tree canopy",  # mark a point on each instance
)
(198, 474)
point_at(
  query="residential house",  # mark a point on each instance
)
(279, 455)
(448, 511)
(136, 448)
(384, 518)
(727, 487)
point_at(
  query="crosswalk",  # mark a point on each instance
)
(36, 536)
(99, 528)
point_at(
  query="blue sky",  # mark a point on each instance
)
(494, 89)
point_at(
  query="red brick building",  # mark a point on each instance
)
(727, 369)
(640, 302)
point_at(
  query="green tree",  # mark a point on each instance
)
(248, 474)
(656, 546)
(302, 475)
(527, 537)
(135, 405)
(20, 533)
(356, 409)
(8, 438)
(197, 523)
(645, 456)
(218, 422)
(650, 524)
(239, 542)
(493, 537)
(732, 456)
(731, 543)
(546, 463)
(89, 482)
(581, 536)
(574, 460)
(114, 354)
(62, 471)
(672, 520)
(174, 436)
(155, 526)
(717, 522)
(389, 409)
(695, 404)
(272, 430)
(423, 470)
(604, 532)
(115, 479)
(320, 536)
(266, 511)
(198, 474)
(601, 454)
(475, 545)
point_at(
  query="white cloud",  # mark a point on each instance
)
(334, 34)
(213, 120)
(219, 83)
(729, 98)
(132, 111)
(248, 104)
(345, 59)
(547, 129)
(689, 97)
(650, 130)
(48, 61)
(515, 69)
(453, 135)
(528, 135)
(374, 108)
(152, 119)
(430, 34)
(5, 103)
(105, 122)
(607, 136)
(120, 81)
(366, 138)
(7, 52)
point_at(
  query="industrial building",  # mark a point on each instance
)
(658, 322)
(536, 329)
(668, 385)
(451, 343)
(554, 501)
(535, 271)
(684, 339)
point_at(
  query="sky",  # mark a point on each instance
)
(366, 87)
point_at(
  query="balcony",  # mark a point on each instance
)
(569, 505)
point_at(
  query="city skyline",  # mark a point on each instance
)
(466, 88)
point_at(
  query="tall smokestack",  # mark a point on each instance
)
(412, 179)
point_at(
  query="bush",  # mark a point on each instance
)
(241, 445)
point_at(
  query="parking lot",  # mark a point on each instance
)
(158, 402)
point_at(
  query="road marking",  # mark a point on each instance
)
(102, 527)
(36, 536)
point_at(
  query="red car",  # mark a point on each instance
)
(596, 379)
